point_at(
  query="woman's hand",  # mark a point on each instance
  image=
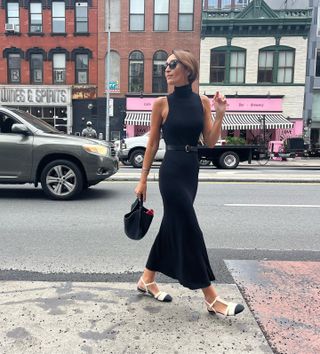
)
(220, 104)
(141, 190)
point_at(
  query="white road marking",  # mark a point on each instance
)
(274, 205)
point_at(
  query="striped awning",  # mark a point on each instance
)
(231, 121)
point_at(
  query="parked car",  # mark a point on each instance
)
(32, 151)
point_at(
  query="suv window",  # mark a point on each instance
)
(6, 123)
(36, 122)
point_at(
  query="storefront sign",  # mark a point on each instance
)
(30, 95)
(234, 104)
(84, 92)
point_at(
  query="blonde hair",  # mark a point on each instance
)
(188, 60)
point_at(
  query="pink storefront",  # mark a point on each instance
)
(249, 118)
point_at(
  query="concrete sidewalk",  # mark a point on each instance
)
(60, 318)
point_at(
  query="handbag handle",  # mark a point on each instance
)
(141, 200)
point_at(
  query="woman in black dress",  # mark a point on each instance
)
(179, 250)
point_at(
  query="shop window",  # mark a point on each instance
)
(36, 111)
(114, 83)
(35, 17)
(159, 82)
(81, 17)
(13, 17)
(161, 15)
(136, 72)
(276, 65)
(228, 65)
(59, 68)
(82, 66)
(36, 68)
(185, 17)
(136, 20)
(14, 68)
(58, 17)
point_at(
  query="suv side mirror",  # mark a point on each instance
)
(19, 128)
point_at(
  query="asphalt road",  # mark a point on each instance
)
(83, 240)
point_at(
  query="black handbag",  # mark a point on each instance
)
(138, 220)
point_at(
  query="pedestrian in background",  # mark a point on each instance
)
(89, 132)
(179, 250)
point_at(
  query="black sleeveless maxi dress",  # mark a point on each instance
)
(179, 250)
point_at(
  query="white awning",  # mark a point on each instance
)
(231, 121)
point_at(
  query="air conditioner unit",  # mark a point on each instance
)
(9, 27)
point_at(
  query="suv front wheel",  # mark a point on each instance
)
(61, 179)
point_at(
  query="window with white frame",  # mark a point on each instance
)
(161, 15)
(59, 68)
(213, 4)
(14, 68)
(82, 67)
(115, 15)
(136, 15)
(58, 17)
(36, 68)
(237, 67)
(225, 4)
(185, 19)
(285, 67)
(35, 17)
(13, 15)
(81, 17)
(241, 3)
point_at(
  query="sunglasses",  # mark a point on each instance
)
(172, 65)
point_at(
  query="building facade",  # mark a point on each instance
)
(256, 56)
(143, 34)
(48, 65)
(312, 97)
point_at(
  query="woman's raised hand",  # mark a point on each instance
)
(219, 103)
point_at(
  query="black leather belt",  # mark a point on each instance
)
(186, 148)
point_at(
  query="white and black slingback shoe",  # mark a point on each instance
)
(232, 309)
(160, 296)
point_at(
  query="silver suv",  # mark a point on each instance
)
(32, 151)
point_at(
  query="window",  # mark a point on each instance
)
(59, 68)
(212, 4)
(115, 15)
(136, 70)
(218, 66)
(241, 3)
(14, 68)
(318, 63)
(159, 82)
(136, 15)
(276, 65)
(35, 17)
(114, 83)
(36, 68)
(225, 4)
(285, 67)
(228, 65)
(237, 67)
(161, 15)
(13, 15)
(81, 17)
(265, 70)
(58, 17)
(82, 65)
(185, 19)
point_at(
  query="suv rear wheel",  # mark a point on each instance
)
(61, 179)
(136, 158)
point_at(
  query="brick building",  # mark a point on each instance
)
(48, 64)
(143, 33)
